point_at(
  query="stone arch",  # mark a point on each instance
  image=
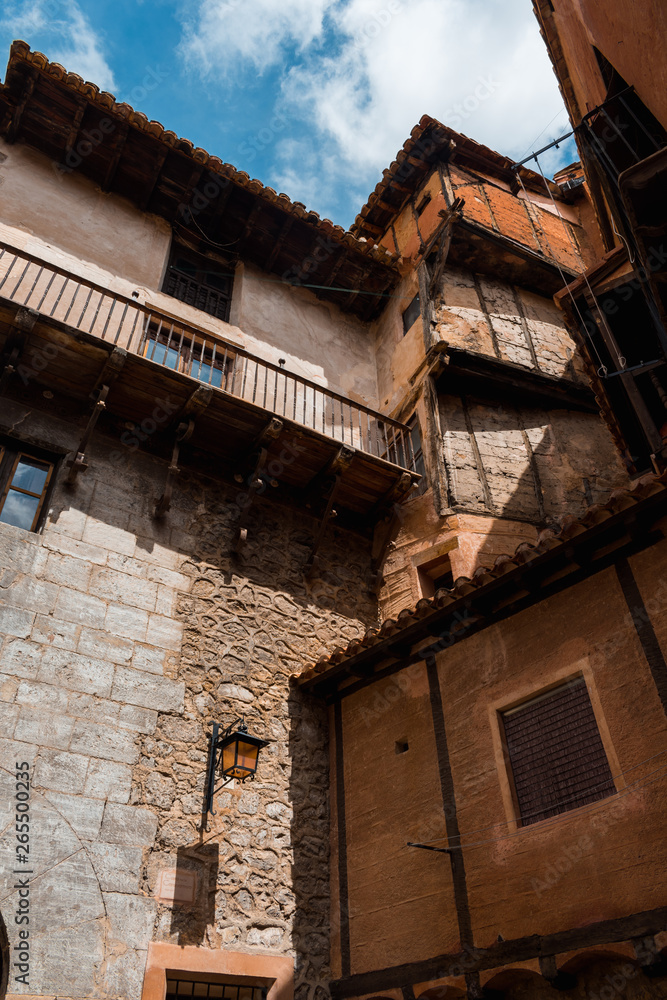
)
(604, 955)
(520, 984)
(4, 959)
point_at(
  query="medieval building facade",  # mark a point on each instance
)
(255, 467)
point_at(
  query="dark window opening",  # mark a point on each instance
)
(624, 328)
(411, 314)
(435, 575)
(199, 281)
(556, 755)
(423, 203)
(182, 985)
(25, 480)
(401, 746)
(622, 131)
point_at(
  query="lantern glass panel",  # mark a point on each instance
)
(239, 758)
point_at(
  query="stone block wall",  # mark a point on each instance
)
(122, 637)
(491, 317)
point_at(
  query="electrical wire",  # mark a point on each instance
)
(562, 111)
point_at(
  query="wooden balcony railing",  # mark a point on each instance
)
(93, 309)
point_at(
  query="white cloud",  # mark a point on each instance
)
(357, 75)
(70, 39)
(227, 34)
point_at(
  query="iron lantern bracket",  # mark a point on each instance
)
(219, 739)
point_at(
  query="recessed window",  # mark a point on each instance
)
(411, 314)
(24, 482)
(556, 755)
(199, 281)
(423, 203)
(209, 986)
(401, 746)
(435, 575)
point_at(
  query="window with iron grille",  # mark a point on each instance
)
(25, 478)
(179, 985)
(199, 281)
(207, 360)
(556, 754)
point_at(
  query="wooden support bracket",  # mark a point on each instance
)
(651, 961)
(110, 372)
(386, 515)
(22, 324)
(327, 482)
(183, 434)
(255, 462)
(559, 980)
(79, 464)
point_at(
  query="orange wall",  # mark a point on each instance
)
(630, 34)
(597, 862)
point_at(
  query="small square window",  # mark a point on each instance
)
(556, 755)
(435, 575)
(25, 477)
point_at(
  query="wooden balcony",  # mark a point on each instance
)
(60, 330)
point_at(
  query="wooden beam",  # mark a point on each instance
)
(76, 125)
(250, 221)
(118, 146)
(148, 194)
(13, 129)
(278, 245)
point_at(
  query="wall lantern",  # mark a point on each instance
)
(233, 753)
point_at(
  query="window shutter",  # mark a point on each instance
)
(556, 754)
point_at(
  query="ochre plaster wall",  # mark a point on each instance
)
(510, 873)
(592, 863)
(629, 35)
(67, 211)
(400, 899)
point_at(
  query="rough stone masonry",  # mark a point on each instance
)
(124, 637)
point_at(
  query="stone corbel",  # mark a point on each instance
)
(327, 484)
(79, 464)
(183, 434)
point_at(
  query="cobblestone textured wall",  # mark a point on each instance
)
(122, 637)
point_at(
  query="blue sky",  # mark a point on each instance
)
(313, 97)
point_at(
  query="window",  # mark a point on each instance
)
(556, 755)
(24, 483)
(435, 575)
(411, 314)
(206, 360)
(208, 986)
(423, 203)
(199, 281)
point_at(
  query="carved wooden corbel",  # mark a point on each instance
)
(327, 483)
(183, 434)
(79, 464)
(256, 460)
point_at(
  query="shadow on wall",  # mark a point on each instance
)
(309, 796)
(194, 883)
(4, 959)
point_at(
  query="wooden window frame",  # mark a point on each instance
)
(189, 355)
(11, 454)
(200, 263)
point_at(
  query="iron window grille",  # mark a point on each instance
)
(190, 355)
(25, 479)
(557, 759)
(179, 987)
(200, 282)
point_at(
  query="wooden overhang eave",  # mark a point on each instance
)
(519, 582)
(41, 105)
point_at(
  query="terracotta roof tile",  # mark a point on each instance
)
(548, 539)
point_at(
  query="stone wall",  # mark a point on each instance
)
(486, 316)
(122, 638)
